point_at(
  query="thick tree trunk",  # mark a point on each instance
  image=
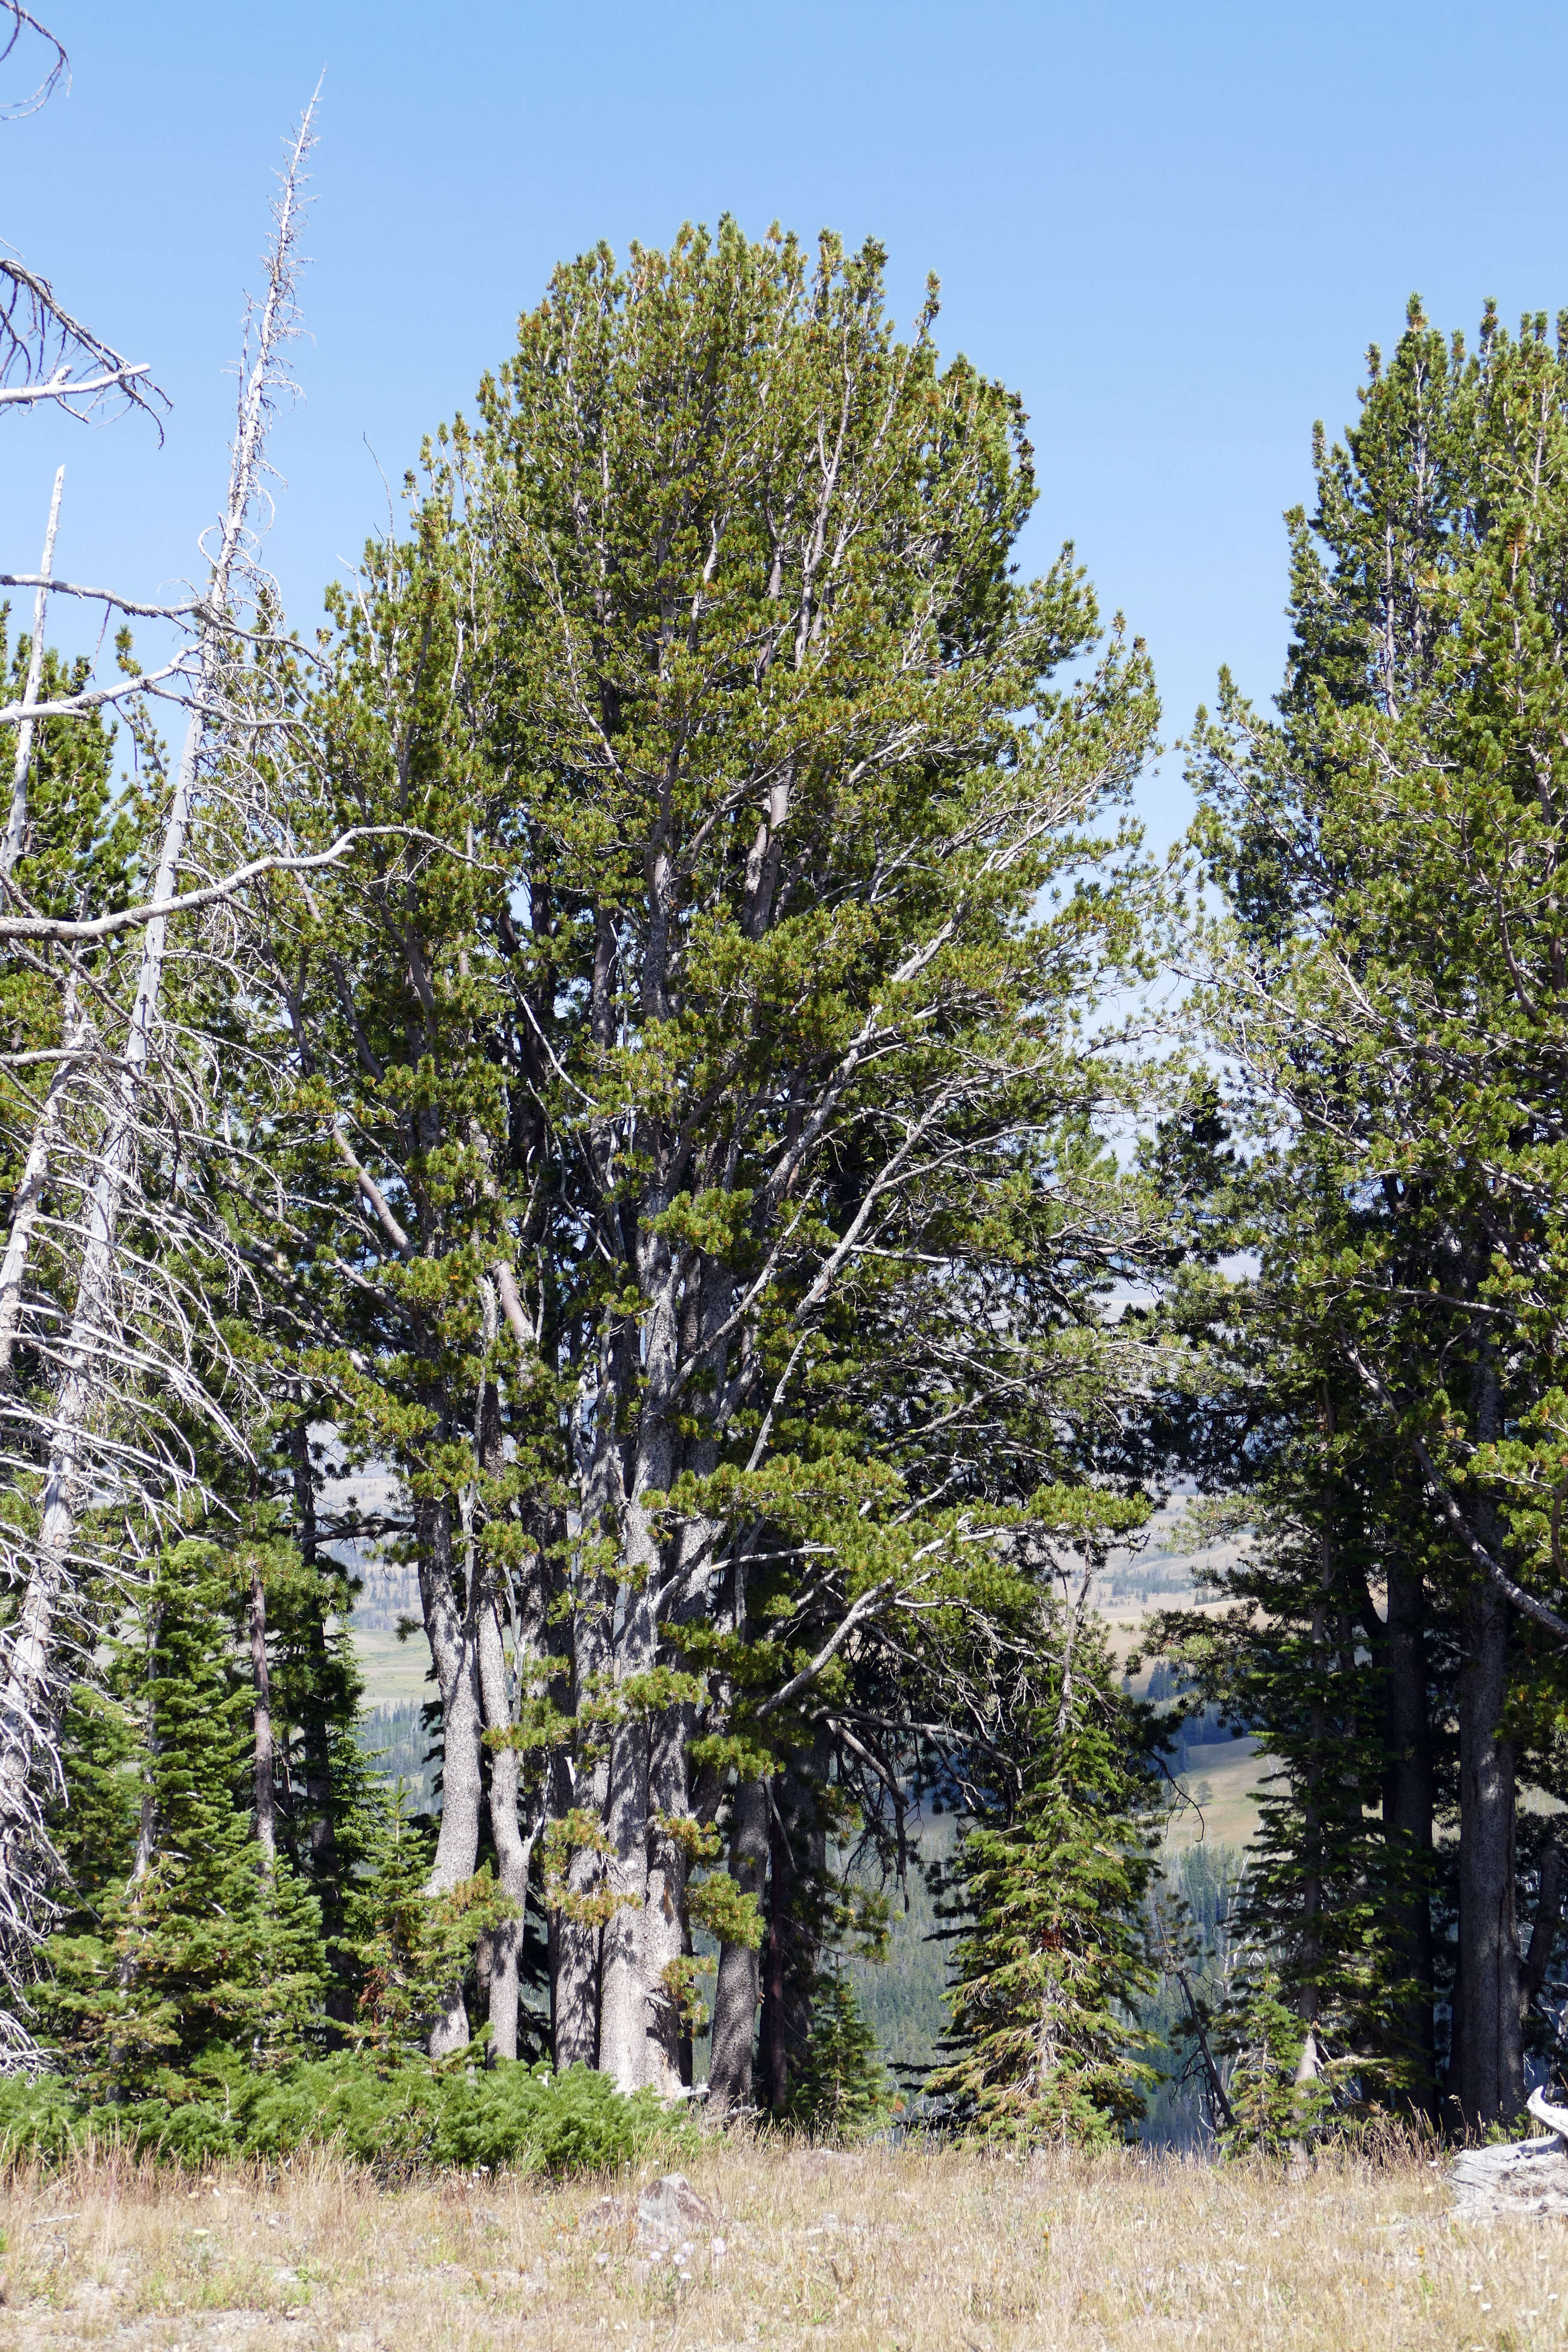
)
(574, 1991)
(664, 1936)
(1408, 1824)
(776, 1957)
(797, 1863)
(1487, 2076)
(739, 1988)
(632, 2000)
(623, 1986)
(514, 1852)
(576, 1932)
(454, 1649)
(322, 1831)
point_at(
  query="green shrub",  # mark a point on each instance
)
(38, 2119)
(520, 2117)
(576, 2122)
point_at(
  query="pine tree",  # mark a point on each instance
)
(1390, 976)
(1051, 1968)
(841, 2089)
(203, 1957)
(669, 1152)
(411, 1946)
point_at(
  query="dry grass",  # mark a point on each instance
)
(887, 2248)
(1235, 1772)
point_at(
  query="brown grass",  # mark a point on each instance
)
(881, 2249)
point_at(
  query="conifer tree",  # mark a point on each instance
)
(1389, 976)
(1049, 1880)
(700, 1169)
(841, 2087)
(202, 1954)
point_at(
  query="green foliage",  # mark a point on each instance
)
(841, 2089)
(1052, 1966)
(193, 1947)
(1388, 976)
(514, 2117)
(82, 840)
(750, 1040)
(1264, 2038)
(411, 1946)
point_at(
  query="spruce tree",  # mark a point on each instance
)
(841, 2089)
(1049, 1880)
(202, 1956)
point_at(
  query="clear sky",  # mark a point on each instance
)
(1173, 227)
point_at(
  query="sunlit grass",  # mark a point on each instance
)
(877, 2249)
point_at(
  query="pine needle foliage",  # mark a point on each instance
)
(1052, 1963)
(842, 2088)
(201, 1957)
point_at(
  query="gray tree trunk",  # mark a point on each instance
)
(739, 1988)
(1487, 2074)
(575, 1933)
(455, 1652)
(1407, 1820)
(514, 1850)
(664, 1936)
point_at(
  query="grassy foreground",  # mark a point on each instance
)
(881, 2249)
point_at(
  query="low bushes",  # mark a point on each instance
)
(524, 2118)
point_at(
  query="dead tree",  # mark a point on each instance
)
(124, 1343)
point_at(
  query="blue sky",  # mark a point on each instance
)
(1173, 227)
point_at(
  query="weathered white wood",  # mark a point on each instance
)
(97, 1345)
(1554, 2118)
(16, 831)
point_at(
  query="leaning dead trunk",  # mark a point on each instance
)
(29, 1693)
(17, 829)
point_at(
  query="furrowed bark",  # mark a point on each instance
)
(574, 1950)
(1408, 1821)
(1487, 2078)
(739, 1988)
